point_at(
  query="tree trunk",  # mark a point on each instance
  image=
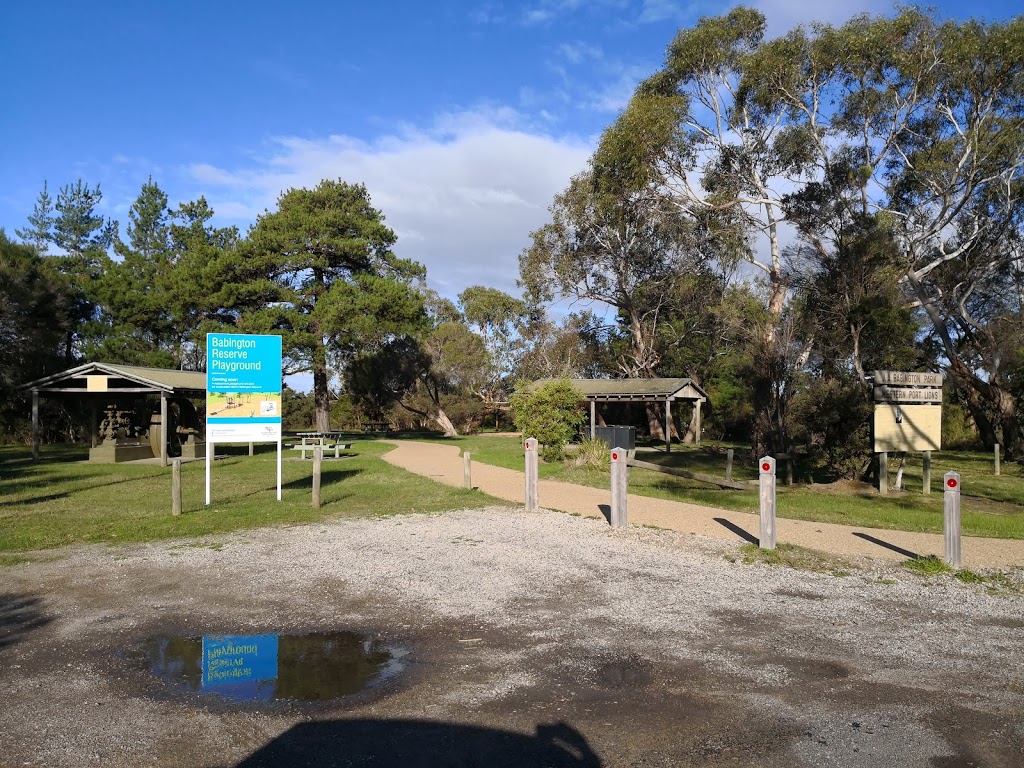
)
(321, 398)
(441, 419)
(691, 431)
(656, 422)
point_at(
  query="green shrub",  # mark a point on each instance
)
(594, 454)
(551, 412)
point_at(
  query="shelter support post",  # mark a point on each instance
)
(668, 426)
(165, 433)
(593, 419)
(698, 404)
(35, 426)
(92, 424)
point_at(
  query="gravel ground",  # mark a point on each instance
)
(533, 639)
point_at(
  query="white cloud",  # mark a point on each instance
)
(783, 15)
(462, 195)
(660, 10)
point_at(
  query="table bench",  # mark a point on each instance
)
(313, 440)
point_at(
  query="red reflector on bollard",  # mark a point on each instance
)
(951, 483)
(615, 457)
(766, 466)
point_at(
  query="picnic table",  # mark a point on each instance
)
(325, 440)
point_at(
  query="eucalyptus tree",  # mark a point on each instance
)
(921, 120)
(320, 271)
(421, 372)
(612, 243)
(496, 317)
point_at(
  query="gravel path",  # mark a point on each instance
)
(534, 639)
(444, 464)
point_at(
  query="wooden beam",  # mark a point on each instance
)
(689, 475)
(108, 393)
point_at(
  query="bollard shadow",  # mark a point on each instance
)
(606, 510)
(326, 476)
(743, 534)
(422, 744)
(885, 544)
(19, 615)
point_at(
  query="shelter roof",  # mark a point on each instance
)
(97, 378)
(637, 390)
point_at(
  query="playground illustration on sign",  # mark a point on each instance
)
(242, 404)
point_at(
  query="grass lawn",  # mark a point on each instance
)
(64, 500)
(991, 506)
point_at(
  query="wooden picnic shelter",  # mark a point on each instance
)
(665, 391)
(96, 382)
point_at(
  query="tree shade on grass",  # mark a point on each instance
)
(63, 501)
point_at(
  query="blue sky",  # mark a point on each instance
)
(462, 118)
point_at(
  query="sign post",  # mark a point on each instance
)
(951, 513)
(767, 488)
(532, 500)
(243, 393)
(619, 488)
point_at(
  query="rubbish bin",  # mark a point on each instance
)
(617, 437)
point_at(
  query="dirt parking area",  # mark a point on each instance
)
(531, 639)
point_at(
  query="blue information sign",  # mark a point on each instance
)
(243, 387)
(238, 659)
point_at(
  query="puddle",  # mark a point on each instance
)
(273, 667)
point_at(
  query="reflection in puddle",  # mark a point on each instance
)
(260, 668)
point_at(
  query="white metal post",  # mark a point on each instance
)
(619, 488)
(951, 513)
(279, 468)
(767, 487)
(209, 459)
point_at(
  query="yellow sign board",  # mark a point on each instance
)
(96, 384)
(907, 427)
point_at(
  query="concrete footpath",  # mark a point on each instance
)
(443, 463)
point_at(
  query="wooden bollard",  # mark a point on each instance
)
(176, 487)
(996, 467)
(318, 457)
(619, 488)
(951, 513)
(767, 487)
(729, 454)
(467, 471)
(883, 474)
(532, 497)
(926, 473)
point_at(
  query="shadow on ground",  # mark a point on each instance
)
(887, 545)
(422, 743)
(19, 615)
(743, 534)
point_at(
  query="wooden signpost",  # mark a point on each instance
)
(619, 487)
(532, 499)
(908, 418)
(951, 514)
(766, 474)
